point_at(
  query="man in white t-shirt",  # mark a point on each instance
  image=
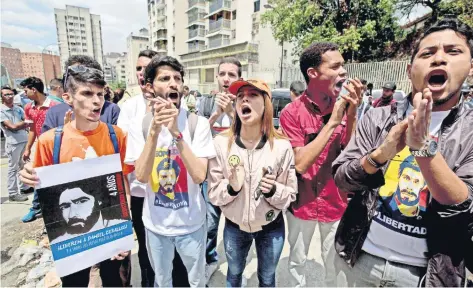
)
(173, 163)
(135, 108)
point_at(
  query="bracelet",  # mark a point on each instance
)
(178, 138)
(373, 163)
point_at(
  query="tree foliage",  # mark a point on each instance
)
(116, 85)
(364, 29)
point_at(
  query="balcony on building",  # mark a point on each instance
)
(196, 33)
(196, 46)
(160, 46)
(196, 4)
(218, 41)
(217, 6)
(161, 35)
(196, 17)
(222, 25)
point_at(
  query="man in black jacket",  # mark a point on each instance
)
(410, 167)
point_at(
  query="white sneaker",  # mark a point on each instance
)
(210, 270)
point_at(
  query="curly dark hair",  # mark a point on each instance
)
(460, 28)
(157, 61)
(311, 57)
(33, 82)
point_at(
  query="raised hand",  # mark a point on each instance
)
(354, 96)
(418, 132)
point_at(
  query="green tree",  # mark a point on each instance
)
(364, 29)
(116, 85)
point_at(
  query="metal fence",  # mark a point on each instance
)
(380, 72)
(377, 73)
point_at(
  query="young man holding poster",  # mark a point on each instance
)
(85, 137)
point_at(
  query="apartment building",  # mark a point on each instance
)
(41, 65)
(222, 28)
(79, 33)
(11, 59)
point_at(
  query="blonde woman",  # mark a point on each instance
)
(253, 180)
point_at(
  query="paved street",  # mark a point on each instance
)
(14, 211)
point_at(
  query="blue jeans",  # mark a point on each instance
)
(191, 248)
(36, 207)
(269, 243)
(213, 217)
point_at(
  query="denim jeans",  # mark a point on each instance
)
(373, 271)
(269, 243)
(213, 218)
(191, 248)
(36, 207)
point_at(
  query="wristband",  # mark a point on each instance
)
(178, 138)
(373, 163)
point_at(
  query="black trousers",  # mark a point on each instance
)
(147, 273)
(114, 273)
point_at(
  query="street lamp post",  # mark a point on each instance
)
(42, 57)
(269, 6)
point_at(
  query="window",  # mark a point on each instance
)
(234, 15)
(82, 19)
(209, 75)
(256, 5)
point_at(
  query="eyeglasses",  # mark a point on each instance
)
(84, 71)
(139, 68)
(8, 95)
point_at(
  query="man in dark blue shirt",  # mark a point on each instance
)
(55, 115)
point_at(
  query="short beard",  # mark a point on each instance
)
(89, 222)
(440, 102)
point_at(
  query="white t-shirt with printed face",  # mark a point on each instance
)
(398, 231)
(173, 204)
(133, 108)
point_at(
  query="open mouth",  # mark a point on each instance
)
(245, 110)
(437, 79)
(142, 82)
(173, 95)
(97, 110)
(339, 84)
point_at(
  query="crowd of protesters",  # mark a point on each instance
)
(405, 166)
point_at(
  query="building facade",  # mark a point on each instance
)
(135, 43)
(78, 33)
(208, 31)
(115, 67)
(11, 60)
(41, 65)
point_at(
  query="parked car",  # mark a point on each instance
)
(280, 98)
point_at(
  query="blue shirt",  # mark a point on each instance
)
(55, 115)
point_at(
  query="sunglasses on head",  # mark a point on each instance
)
(84, 71)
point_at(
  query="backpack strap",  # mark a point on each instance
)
(192, 119)
(57, 144)
(146, 123)
(113, 137)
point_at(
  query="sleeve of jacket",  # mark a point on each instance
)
(218, 185)
(115, 114)
(347, 171)
(286, 183)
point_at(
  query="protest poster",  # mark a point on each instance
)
(85, 212)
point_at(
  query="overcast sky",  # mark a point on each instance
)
(30, 25)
